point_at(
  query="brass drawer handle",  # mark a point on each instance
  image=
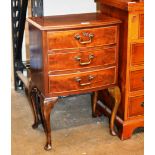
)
(78, 79)
(91, 56)
(90, 36)
(142, 104)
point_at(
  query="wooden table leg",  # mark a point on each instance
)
(47, 105)
(115, 93)
(94, 103)
(32, 97)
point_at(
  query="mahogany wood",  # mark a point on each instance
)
(33, 95)
(78, 58)
(101, 36)
(47, 105)
(81, 81)
(76, 21)
(69, 55)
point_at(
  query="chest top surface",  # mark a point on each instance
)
(60, 22)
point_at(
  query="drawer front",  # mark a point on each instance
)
(81, 80)
(137, 54)
(136, 106)
(136, 80)
(82, 38)
(83, 58)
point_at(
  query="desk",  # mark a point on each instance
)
(72, 54)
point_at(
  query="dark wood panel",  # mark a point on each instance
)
(87, 38)
(136, 106)
(36, 60)
(81, 81)
(81, 58)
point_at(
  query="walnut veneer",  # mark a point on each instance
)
(131, 63)
(72, 54)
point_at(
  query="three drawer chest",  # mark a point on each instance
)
(71, 54)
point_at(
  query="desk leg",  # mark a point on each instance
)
(47, 105)
(115, 93)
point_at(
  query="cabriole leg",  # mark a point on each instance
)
(46, 108)
(33, 96)
(115, 93)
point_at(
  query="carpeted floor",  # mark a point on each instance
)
(74, 131)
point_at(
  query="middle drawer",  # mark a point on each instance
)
(80, 58)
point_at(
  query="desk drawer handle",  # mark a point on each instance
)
(78, 79)
(90, 36)
(78, 58)
(142, 104)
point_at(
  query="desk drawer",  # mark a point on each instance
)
(136, 106)
(81, 80)
(82, 38)
(82, 58)
(137, 80)
(137, 54)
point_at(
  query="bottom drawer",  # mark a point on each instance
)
(79, 81)
(136, 106)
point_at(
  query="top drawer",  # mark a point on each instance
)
(82, 38)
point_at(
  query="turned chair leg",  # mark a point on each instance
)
(46, 107)
(115, 93)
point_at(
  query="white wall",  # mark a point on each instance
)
(58, 7)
